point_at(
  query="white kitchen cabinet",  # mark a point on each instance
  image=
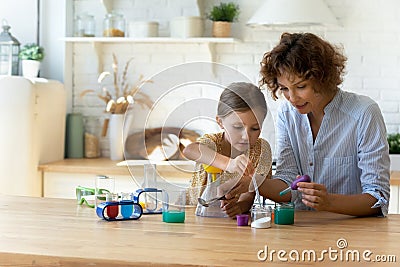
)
(32, 131)
(394, 203)
(394, 200)
(63, 184)
(61, 178)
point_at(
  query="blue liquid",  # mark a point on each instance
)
(126, 210)
(173, 216)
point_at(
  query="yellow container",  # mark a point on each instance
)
(213, 171)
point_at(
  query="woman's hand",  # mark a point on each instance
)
(241, 164)
(315, 195)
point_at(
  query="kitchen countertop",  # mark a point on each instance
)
(105, 165)
(395, 178)
(58, 232)
(85, 165)
(178, 169)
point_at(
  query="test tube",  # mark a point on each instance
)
(112, 210)
(126, 210)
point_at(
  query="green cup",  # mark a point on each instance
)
(74, 146)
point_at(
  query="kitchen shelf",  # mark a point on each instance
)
(148, 40)
(97, 43)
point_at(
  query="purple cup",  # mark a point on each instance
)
(242, 219)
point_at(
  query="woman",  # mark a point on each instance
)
(336, 137)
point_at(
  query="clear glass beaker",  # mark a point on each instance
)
(174, 201)
(210, 192)
(103, 185)
(150, 186)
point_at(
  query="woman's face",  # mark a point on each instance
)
(241, 129)
(301, 94)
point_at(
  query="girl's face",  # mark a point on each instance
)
(301, 94)
(241, 129)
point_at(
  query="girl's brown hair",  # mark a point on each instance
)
(241, 96)
(307, 56)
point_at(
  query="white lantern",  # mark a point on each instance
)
(9, 49)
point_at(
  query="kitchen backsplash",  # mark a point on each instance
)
(370, 40)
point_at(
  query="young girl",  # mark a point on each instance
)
(238, 151)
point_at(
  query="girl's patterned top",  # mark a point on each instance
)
(259, 154)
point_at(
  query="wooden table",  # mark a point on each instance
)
(57, 232)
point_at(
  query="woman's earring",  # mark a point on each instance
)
(219, 122)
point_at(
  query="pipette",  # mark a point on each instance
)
(293, 186)
(253, 178)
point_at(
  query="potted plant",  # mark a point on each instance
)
(31, 55)
(222, 16)
(394, 151)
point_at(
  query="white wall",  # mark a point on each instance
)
(370, 34)
(22, 17)
(52, 30)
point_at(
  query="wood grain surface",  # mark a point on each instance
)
(58, 232)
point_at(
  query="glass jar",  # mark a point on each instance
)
(261, 217)
(284, 213)
(114, 25)
(85, 26)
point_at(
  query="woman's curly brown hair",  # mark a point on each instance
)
(307, 56)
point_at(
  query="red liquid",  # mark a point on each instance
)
(112, 211)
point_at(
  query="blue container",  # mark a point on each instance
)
(126, 210)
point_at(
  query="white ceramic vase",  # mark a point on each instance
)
(115, 134)
(30, 68)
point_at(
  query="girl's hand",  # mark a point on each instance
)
(240, 164)
(230, 206)
(238, 205)
(234, 187)
(235, 208)
(315, 195)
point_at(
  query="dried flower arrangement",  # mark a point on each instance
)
(125, 93)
